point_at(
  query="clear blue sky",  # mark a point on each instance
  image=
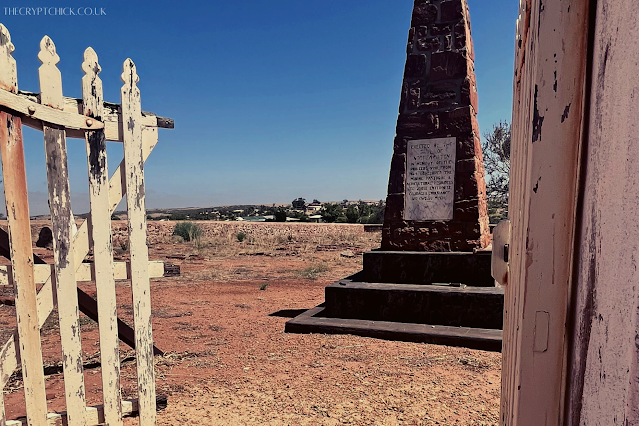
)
(272, 100)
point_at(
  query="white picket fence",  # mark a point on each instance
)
(92, 119)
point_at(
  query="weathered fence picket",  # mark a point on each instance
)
(55, 148)
(102, 242)
(95, 121)
(134, 166)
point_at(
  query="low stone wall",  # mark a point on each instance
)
(158, 232)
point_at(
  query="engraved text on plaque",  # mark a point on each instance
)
(430, 179)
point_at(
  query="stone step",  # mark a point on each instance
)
(445, 305)
(313, 321)
(414, 267)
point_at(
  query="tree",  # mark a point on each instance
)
(332, 213)
(377, 214)
(299, 204)
(280, 215)
(365, 209)
(371, 213)
(298, 215)
(352, 213)
(496, 150)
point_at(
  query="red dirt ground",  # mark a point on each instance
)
(228, 361)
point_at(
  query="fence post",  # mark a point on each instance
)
(15, 192)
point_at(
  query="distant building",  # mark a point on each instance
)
(254, 219)
(313, 207)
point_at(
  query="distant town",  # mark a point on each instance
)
(299, 210)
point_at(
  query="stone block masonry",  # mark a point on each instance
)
(439, 100)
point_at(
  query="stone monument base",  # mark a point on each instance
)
(441, 298)
(418, 267)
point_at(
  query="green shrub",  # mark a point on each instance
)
(187, 230)
(115, 217)
(264, 286)
(241, 236)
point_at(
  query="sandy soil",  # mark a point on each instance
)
(228, 361)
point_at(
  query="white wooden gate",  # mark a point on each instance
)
(92, 119)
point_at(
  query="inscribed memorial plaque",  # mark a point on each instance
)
(430, 179)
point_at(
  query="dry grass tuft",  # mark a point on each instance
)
(312, 272)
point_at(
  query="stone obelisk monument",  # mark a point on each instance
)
(436, 190)
(430, 281)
